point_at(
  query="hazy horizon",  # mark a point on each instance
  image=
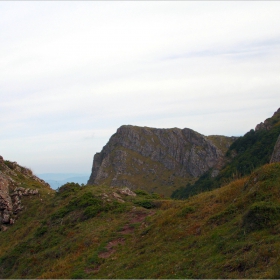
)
(73, 72)
(56, 180)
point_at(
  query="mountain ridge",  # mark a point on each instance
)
(247, 153)
(168, 156)
(96, 232)
(88, 232)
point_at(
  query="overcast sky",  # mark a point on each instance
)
(72, 72)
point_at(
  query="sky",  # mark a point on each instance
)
(72, 72)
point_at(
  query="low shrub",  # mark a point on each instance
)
(116, 207)
(94, 259)
(41, 231)
(141, 192)
(68, 189)
(79, 274)
(9, 164)
(261, 215)
(86, 201)
(186, 210)
(223, 216)
(91, 212)
(145, 203)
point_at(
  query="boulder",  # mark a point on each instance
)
(115, 195)
(127, 191)
(5, 199)
(3, 228)
(6, 217)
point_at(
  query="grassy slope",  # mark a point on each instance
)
(231, 232)
(222, 142)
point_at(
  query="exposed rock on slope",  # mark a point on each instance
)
(11, 192)
(268, 123)
(158, 160)
(248, 152)
(276, 152)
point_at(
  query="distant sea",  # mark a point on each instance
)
(56, 180)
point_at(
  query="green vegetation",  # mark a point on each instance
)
(98, 232)
(86, 232)
(244, 155)
(222, 142)
(261, 215)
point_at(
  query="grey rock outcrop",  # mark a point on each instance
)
(5, 199)
(267, 125)
(276, 152)
(10, 199)
(144, 151)
(263, 126)
(11, 192)
(127, 191)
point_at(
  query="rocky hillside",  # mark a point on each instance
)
(96, 232)
(87, 232)
(256, 148)
(157, 160)
(16, 182)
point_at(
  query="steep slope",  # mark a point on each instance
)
(157, 160)
(276, 152)
(252, 150)
(16, 184)
(100, 232)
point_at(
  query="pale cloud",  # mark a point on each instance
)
(72, 72)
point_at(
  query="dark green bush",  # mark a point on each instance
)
(261, 215)
(79, 274)
(116, 207)
(60, 213)
(141, 192)
(94, 259)
(9, 164)
(92, 206)
(20, 176)
(86, 201)
(148, 204)
(91, 211)
(154, 196)
(223, 216)
(68, 189)
(41, 231)
(186, 210)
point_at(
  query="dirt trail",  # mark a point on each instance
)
(110, 248)
(135, 216)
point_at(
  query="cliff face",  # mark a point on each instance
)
(250, 151)
(158, 160)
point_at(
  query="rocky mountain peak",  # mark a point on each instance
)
(142, 156)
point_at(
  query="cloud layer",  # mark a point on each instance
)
(72, 72)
